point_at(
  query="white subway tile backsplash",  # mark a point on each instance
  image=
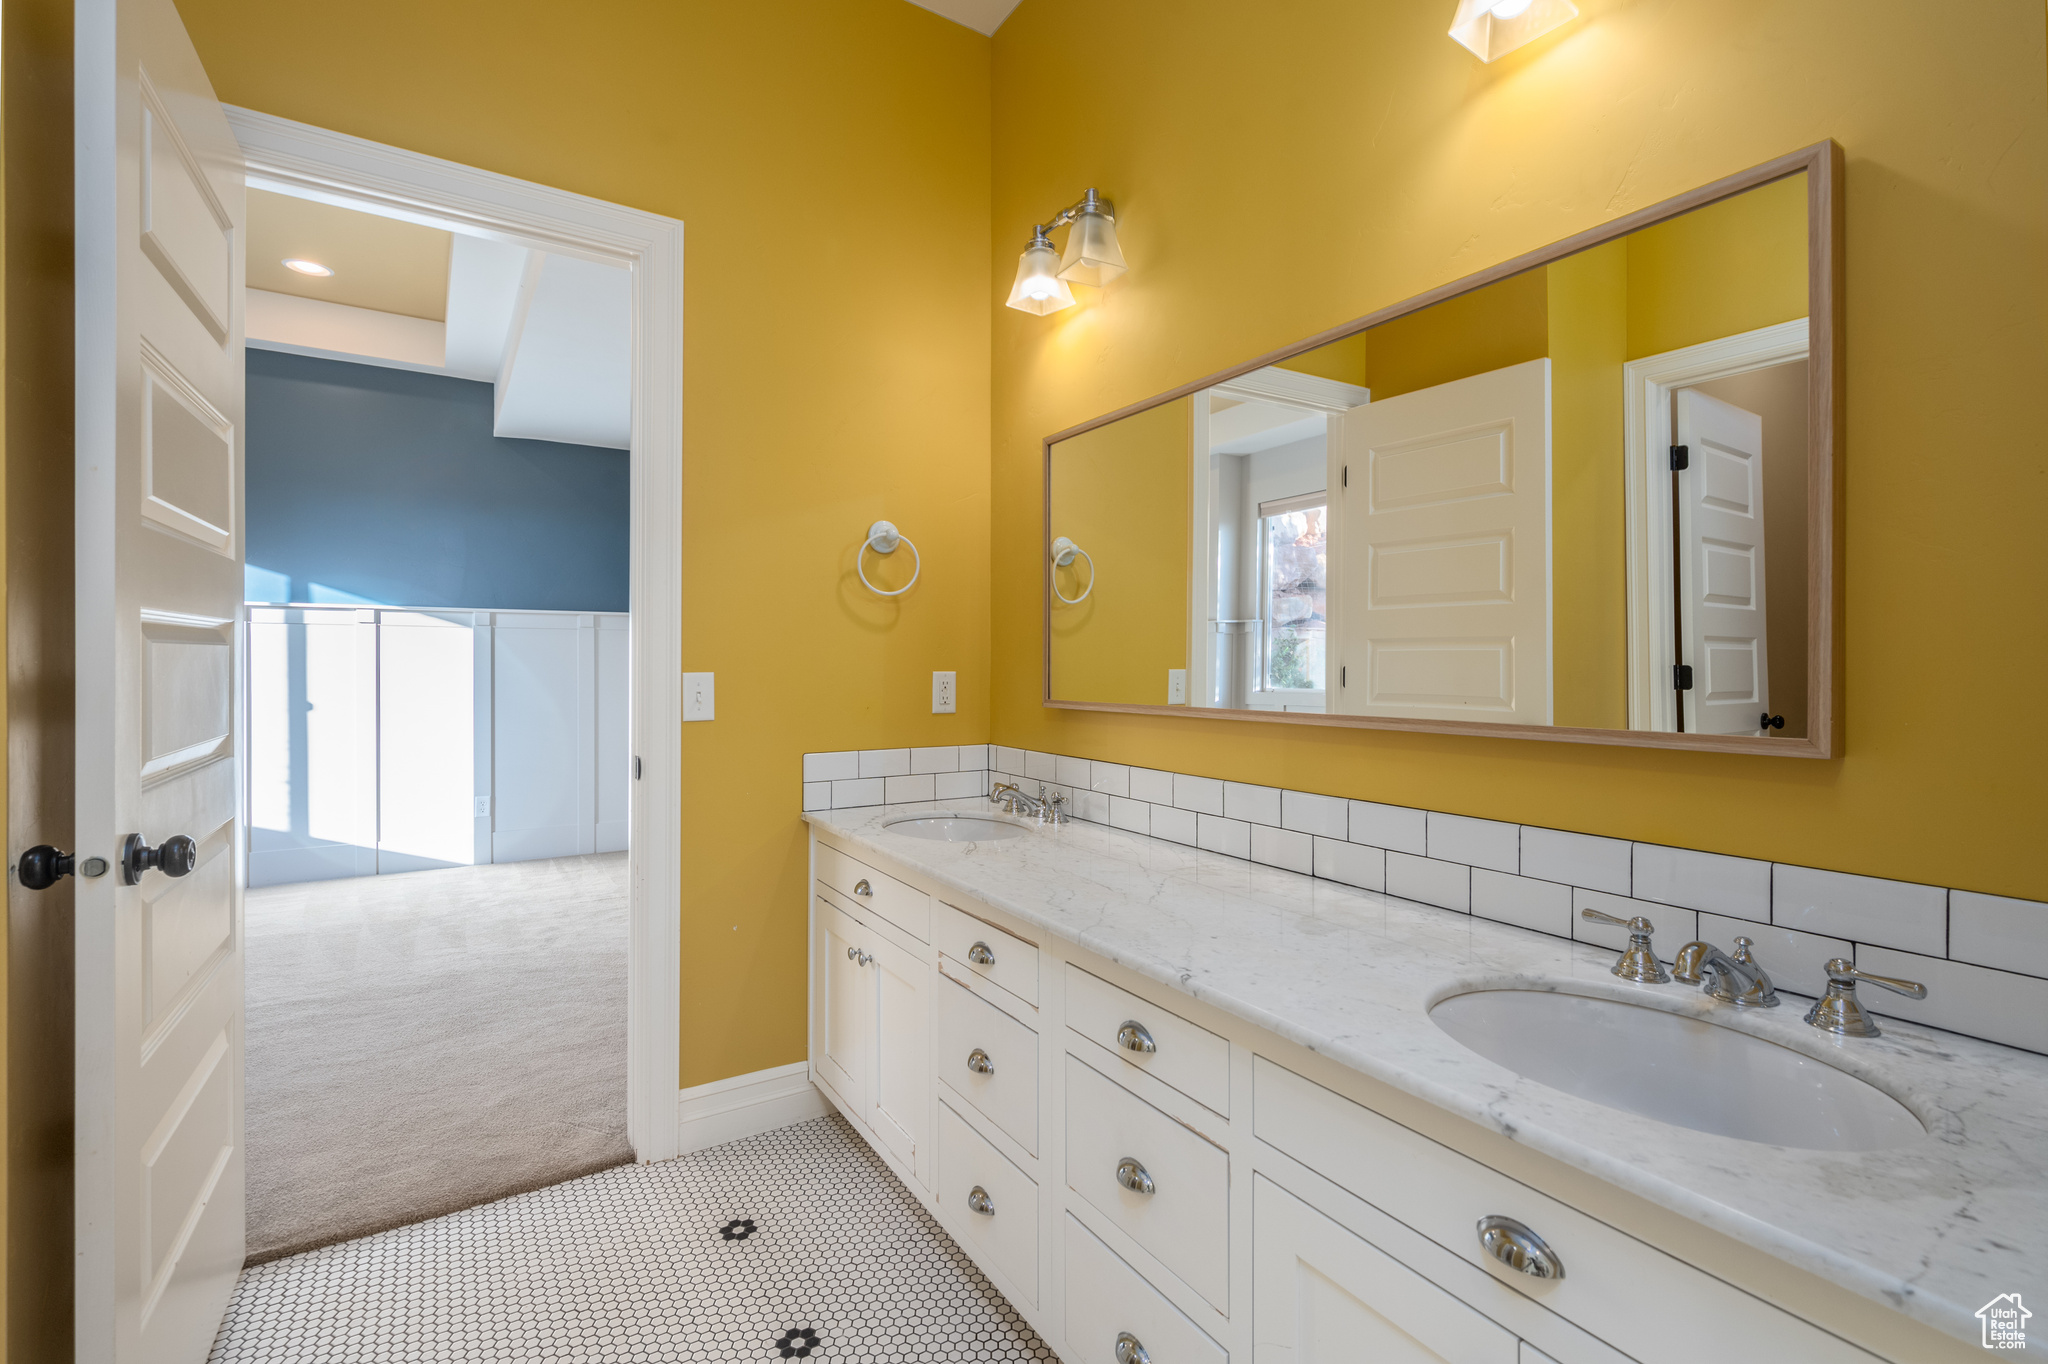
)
(817, 795)
(960, 785)
(1203, 795)
(1175, 825)
(1071, 771)
(896, 789)
(1231, 837)
(1674, 927)
(1864, 909)
(1999, 1006)
(929, 761)
(1794, 960)
(1253, 804)
(1397, 828)
(1576, 859)
(1519, 900)
(1447, 885)
(1475, 842)
(1132, 815)
(1992, 930)
(1709, 882)
(1008, 760)
(865, 791)
(1283, 848)
(1151, 785)
(1112, 779)
(1041, 766)
(843, 766)
(885, 762)
(1323, 816)
(1092, 806)
(1352, 863)
(973, 756)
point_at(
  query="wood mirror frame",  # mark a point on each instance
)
(1822, 165)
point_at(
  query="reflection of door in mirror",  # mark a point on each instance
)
(1722, 636)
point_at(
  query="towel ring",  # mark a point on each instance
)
(883, 538)
(1063, 552)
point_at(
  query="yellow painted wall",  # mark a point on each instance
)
(1476, 333)
(1121, 493)
(830, 377)
(1728, 268)
(1387, 160)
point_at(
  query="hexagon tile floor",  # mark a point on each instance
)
(797, 1244)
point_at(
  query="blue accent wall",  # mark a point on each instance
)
(386, 487)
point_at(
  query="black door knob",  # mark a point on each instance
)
(1770, 721)
(176, 856)
(42, 867)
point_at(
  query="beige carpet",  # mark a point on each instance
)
(425, 1042)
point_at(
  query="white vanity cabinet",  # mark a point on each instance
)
(1127, 1163)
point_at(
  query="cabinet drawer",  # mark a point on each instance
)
(1005, 1238)
(1620, 1289)
(1321, 1295)
(1006, 1089)
(1185, 1220)
(1106, 1297)
(1005, 958)
(910, 910)
(1192, 1059)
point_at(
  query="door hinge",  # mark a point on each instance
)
(1681, 458)
(1681, 677)
(1344, 477)
(1340, 676)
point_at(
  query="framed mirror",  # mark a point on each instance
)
(1587, 495)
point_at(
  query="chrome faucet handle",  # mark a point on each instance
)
(1637, 962)
(1838, 1010)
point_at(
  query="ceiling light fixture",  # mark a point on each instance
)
(1494, 28)
(308, 267)
(1092, 257)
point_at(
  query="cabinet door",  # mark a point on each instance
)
(845, 1007)
(1321, 1295)
(900, 1107)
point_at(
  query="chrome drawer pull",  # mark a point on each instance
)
(978, 1062)
(980, 955)
(979, 1201)
(1133, 1037)
(1133, 1176)
(1129, 1350)
(1519, 1248)
(861, 887)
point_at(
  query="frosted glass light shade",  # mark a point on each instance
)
(1493, 28)
(1093, 256)
(1039, 288)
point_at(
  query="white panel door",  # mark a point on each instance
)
(158, 1135)
(901, 1111)
(426, 741)
(543, 717)
(1444, 598)
(1721, 566)
(1321, 1295)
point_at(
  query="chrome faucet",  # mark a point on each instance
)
(1838, 1012)
(1637, 962)
(1739, 980)
(1045, 809)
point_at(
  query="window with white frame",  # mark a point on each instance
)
(1293, 588)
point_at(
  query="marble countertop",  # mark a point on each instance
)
(1935, 1228)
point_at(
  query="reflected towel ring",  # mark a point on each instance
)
(883, 538)
(1063, 552)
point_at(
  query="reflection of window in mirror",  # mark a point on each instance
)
(1294, 557)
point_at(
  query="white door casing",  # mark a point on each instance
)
(158, 1140)
(1721, 565)
(1445, 552)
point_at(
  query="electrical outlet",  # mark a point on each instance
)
(942, 694)
(483, 807)
(1176, 686)
(698, 696)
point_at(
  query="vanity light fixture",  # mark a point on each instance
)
(1092, 257)
(308, 267)
(1494, 28)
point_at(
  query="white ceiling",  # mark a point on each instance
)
(1250, 427)
(983, 16)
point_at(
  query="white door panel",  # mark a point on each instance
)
(158, 1142)
(1721, 565)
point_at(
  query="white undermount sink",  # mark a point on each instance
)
(954, 828)
(1676, 1069)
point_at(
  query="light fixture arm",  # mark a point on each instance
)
(1091, 202)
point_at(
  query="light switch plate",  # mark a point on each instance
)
(698, 696)
(943, 698)
(1176, 686)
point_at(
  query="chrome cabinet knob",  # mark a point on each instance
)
(980, 955)
(978, 1062)
(1519, 1248)
(1133, 1037)
(1134, 1176)
(1838, 1010)
(1637, 962)
(979, 1201)
(176, 856)
(1129, 1350)
(858, 957)
(861, 887)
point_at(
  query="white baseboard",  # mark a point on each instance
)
(746, 1106)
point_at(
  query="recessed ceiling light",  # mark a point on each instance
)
(308, 267)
